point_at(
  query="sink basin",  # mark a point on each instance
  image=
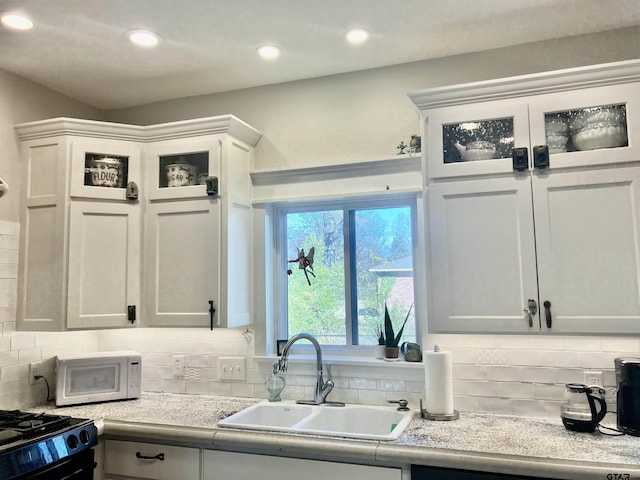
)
(268, 416)
(351, 421)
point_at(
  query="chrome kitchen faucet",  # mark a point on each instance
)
(322, 388)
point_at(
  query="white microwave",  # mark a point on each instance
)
(97, 377)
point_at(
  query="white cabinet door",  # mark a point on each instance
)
(608, 116)
(151, 461)
(584, 254)
(182, 262)
(102, 168)
(104, 264)
(241, 466)
(482, 256)
(177, 168)
(586, 116)
(454, 133)
(587, 236)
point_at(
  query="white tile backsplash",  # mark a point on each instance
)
(522, 375)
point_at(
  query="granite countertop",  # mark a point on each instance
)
(494, 443)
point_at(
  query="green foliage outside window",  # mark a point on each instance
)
(381, 237)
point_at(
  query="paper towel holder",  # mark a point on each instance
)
(442, 417)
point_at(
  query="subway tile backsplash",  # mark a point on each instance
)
(515, 374)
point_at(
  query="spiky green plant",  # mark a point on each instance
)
(391, 339)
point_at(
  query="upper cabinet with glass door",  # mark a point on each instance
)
(588, 127)
(105, 169)
(183, 159)
(579, 117)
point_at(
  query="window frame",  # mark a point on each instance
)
(349, 205)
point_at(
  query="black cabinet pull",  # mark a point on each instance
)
(541, 156)
(212, 311)
(131, 313)
(520, 159)
(159, 456)
(547, 312)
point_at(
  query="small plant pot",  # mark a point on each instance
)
(380, 351)
(391, 352)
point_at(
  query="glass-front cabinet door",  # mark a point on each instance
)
(594, 126)
(102, 168)
(183, 168)
(578, 128)
(475, 139)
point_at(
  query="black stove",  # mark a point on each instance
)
(45, 446)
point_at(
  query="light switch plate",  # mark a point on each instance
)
(232, 368)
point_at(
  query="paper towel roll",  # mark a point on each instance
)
(438, 373)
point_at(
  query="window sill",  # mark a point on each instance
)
(340, 360)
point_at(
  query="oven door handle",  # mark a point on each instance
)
(159, 456)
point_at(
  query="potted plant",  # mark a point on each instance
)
(391, 339)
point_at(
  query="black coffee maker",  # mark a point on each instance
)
(628, 397)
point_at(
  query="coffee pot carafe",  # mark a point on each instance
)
(584, 407)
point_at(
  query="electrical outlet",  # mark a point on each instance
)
(35, 370)
(178, 365)
(232, 368)
(592, 377)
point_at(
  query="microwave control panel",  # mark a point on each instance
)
(134, 376)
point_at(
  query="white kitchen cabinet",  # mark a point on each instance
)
(198, 244)
(587, 227)
(73, 227)
(220, 465)
(83, 229)
(563, 235)
(587, 117)
(483, 258)
(182, 262)
(104, 264)
(584, 257)
(124, 460)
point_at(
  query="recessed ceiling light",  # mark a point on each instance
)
(269, 52)
(143, 38)
(357, 36)
(17, 22)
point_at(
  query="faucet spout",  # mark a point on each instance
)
(323, 388)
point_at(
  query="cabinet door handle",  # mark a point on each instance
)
(520, 159)
(541, 156)
(547, 312)
(131, 313)
(212, 311)
(531, 310)
(159, 456)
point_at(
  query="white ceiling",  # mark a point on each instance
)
(78, 47)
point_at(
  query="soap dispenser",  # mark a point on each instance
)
(275, 384)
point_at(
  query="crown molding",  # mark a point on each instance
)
(526, 85)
